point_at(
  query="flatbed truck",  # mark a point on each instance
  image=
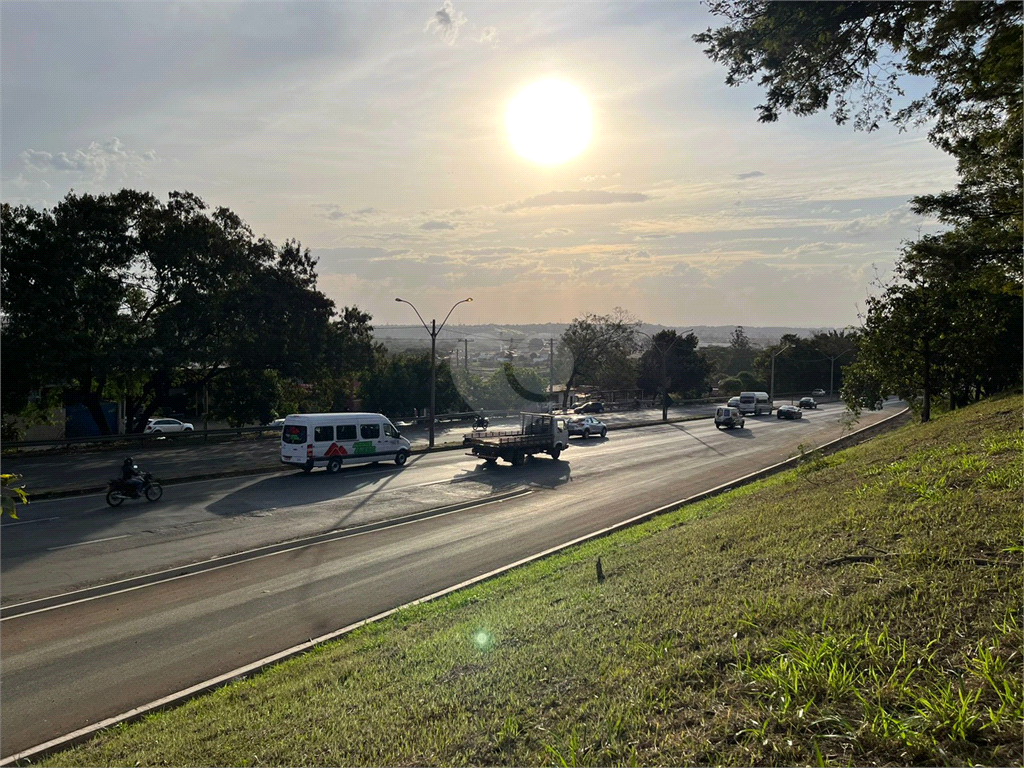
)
(538, 433)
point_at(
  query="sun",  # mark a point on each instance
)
(549, 122)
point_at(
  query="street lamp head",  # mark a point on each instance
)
(398, 299)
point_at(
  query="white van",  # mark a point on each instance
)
(331, 439)
(756, 403)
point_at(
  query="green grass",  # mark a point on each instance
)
(863, 608)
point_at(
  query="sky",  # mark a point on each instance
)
(375, 134)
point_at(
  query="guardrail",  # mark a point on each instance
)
(140, 439)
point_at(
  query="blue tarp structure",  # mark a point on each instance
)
(80, 423)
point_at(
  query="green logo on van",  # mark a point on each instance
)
(362, 448)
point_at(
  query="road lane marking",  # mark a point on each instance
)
(240, 558)
(83, 543)
(27, 522)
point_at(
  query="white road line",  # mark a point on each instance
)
(27, 522)
(83, 543)
(298, 545)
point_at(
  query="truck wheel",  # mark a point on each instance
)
(400, 458)
(491, 459)
(555, 453)
(334, 466)
(518, 458)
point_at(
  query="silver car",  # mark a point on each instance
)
(158, 426)
(587, 426)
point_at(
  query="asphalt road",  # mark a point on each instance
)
(192, 456)
(77, 659)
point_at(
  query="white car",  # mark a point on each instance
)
(167, 426)
(587, 426)
(818, 393)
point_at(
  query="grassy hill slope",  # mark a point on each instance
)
(863, 608)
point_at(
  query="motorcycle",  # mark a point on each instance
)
(480, 424)
(118, 490)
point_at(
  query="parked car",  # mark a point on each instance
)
(789, 412)
(734, 402)
(808, 402)
(587, 426)
(594, 407)
(728, 417)
(818, 393)
(156, 426)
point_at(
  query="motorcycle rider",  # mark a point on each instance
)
(132, 477)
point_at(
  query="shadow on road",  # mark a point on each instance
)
(537, 472)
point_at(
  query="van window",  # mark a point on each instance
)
(762, 398)
(369, 431)
(293, 434)
(748, 398)
(390, 430)
(346, 432)
(323, 434)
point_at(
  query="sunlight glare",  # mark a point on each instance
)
(549, 122)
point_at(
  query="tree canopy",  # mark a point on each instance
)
(122, 295)
(951, 317)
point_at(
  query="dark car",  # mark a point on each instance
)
(808, 402)
(594, 407)
(789, 412)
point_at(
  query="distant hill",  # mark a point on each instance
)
(498, 336)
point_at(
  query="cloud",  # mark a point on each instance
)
(446, 22)
(599, 177)
(336, 214)
(554, 231)
(896, 217)
(489, 36)
(435, 224)
(578, 197)
(96, 161)
(497, 251)
(750, 175)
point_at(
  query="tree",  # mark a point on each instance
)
(122, 295)
(951, 318)
(592, 340)
(673, 364)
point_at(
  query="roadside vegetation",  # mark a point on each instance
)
(863, 608)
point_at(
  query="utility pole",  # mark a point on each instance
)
(551, 369)
(664, 367)
(771, 394)
(832, 368)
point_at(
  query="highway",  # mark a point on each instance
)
(388, 536)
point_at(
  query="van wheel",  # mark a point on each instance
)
(400, 458)
(334, 466)
(308, 467)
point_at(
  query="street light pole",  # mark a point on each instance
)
(771, 394)
(664, 368)
(832, 368)
(433, 330)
